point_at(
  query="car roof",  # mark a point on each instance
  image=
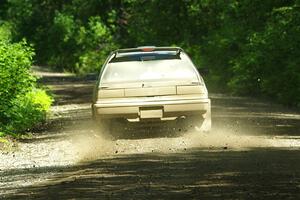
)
(147, 49)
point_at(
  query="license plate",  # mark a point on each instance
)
(146, 114)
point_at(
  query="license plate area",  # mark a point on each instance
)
(151, 112)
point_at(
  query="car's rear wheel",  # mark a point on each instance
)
(200, 124)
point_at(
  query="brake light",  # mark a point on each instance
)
(147, 48)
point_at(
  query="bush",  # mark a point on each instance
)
(270, 62)
(28, 111)
(76, 46)
(5, 33)
(22, 106)
(95, 42)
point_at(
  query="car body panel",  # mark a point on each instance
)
(150, 89)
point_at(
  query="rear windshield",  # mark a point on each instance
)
(127, 57)
(149, 67)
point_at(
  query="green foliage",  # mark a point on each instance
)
(270, 61)
(96, 42)
(74, 35)
(15, 77)
(21, 105)
(62, 45)
(5, 33)
(27, 111)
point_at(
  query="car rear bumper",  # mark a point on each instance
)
(169, 108)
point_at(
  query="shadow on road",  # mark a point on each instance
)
(196, 173)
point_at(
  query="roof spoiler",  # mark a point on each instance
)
(148, 49)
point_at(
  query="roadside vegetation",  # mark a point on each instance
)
(22, 104)
(251, 47)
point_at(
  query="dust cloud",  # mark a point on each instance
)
(95, 145)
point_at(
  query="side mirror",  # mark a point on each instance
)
(203, 71)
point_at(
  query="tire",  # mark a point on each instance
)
(200, 123)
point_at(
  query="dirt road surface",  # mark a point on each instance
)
(253, 152)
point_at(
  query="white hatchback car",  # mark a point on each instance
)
(148, 86)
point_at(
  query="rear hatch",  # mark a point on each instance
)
(149, 74)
